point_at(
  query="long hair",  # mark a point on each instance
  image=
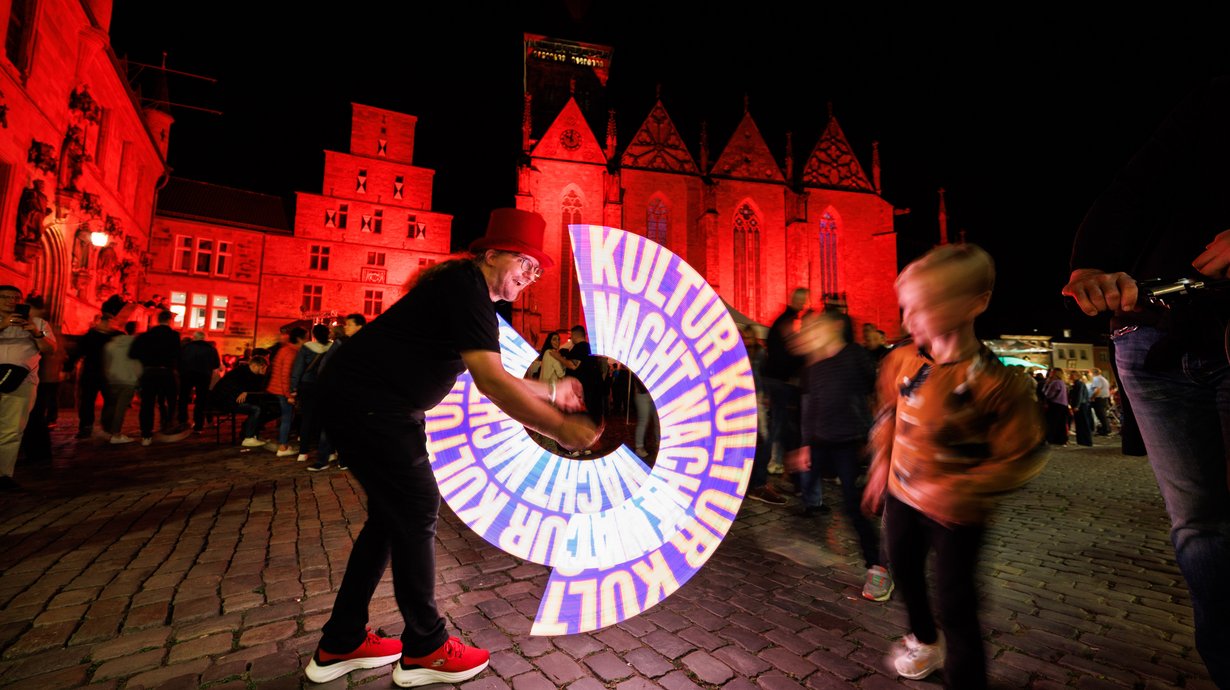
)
(546, 345)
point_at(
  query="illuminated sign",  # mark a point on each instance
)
(620, 536)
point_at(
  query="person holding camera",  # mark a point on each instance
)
(1165, 217)
(24, 339)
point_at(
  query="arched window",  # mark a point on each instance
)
(656, 217)
(828, 255)
(747, 260)
(569, 292)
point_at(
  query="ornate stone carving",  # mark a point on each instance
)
(90, 205)
(32, 211)
(42, 156)
(72, 158)
(82, 102)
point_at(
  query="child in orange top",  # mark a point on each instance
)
(955, 430)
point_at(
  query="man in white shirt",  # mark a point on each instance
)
(1100, 388)
(23, 340)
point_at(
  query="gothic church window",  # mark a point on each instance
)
(570, 292)
(747, 259)
(656, 218)
(828, 255)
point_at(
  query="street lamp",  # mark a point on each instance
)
(98, 238)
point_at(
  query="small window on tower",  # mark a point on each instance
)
(342, 212)
(330, 218)
(378, 222)
(361, 183)
(382, 147)
(398, 183)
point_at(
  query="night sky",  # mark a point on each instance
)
(1022, 114)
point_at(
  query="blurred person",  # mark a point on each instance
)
(92, 380)
(1055, 394)
(50, 369)
(198, 362)
(158, 351)
(1078, 404)
(1165, 217)
(838, 388)
(304, 373)
(780, 376)
(1100, 390)
(955, 431)
(758, 486)
(24, 340)
(279, 385)
(123, 376)
(377, 389)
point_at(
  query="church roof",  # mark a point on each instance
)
(570, 138)
(658, 146)
(833, 163)
(747, 156)
(204, 201)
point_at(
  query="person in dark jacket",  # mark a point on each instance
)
(198, 360)
(158, 351)
(304, 373)
(238, 392)
(93, 380)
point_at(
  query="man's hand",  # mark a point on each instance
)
(577, 433)
(569, 394)
(1095, 291)
(241, 397)
(1214, 261)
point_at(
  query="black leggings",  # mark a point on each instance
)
(910, 536)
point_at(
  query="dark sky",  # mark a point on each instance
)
(1023, 113)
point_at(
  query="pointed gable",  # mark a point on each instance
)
(833, 163)
(570, 138)
(747, 156)
(658, 146)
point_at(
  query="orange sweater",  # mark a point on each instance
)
(279, 376)
(968, 433)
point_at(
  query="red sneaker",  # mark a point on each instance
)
(452, 663)
(376, 651)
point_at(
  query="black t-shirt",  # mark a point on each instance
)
(409, 357)
(837, 400)
(588, 371)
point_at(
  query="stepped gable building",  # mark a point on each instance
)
(754, 228)
(245, 267)
(80, 160)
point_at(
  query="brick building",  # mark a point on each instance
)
(80, 160)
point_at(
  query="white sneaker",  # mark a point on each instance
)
(287, 453)
(252, 442)
(117, 439)
(333, 457)
(915, 660)
(146, 441)
(302, 457)
(776, 468)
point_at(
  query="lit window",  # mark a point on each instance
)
(179, 307)
(200, 308)
(218, 322)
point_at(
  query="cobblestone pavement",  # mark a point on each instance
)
(196, 565)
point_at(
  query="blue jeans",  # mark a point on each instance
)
(288, 416)
(1190, 396)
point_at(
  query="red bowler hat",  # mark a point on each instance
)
(514, 230)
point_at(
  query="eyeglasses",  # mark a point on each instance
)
(529, 268)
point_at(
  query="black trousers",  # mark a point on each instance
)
(383, 451)
(194, 388)
(910, 536)
(157, 390)
(91, 387)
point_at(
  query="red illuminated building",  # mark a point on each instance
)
(241, 266)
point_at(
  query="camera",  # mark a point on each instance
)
(22, 310)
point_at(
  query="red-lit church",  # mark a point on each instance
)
(241, 265)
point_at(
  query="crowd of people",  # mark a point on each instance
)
(923, 438)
